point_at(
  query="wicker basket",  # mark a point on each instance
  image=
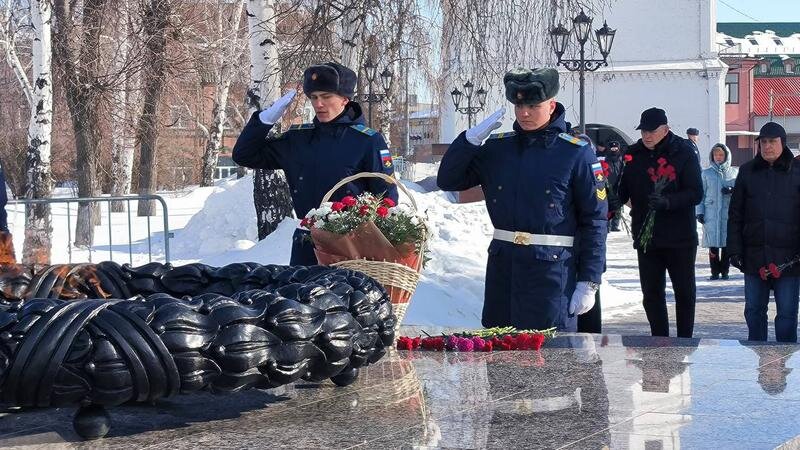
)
(399, 280)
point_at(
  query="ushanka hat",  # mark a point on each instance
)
(526, 86)
(330, 77)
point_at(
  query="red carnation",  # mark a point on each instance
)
(364, 210)
(382, 211)
(774, 271)
(487, 346)
(661, 161)
(349, 201)
(606, 168)
(387, 202)
(538, 340)
(337, 206)
(305, 222)
(404, 343)
(505, 346)
(511, 341)
(416, 342)
(627, 158)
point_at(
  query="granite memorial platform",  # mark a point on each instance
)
(578, 392)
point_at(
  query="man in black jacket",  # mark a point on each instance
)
(613, 157)
(764, 228)
(673, 246)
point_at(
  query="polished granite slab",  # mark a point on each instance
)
(578, 392)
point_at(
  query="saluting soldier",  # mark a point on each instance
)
(545, 194)
(315, 156)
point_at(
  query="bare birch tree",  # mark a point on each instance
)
(39, 93)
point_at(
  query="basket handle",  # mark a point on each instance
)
(383, 176)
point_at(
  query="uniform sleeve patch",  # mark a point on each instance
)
(302, 126)
(386, 158)
(602, 194)
(364, 129)
(597, 171)
(572, 139)
(502, 135)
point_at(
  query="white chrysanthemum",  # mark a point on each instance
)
(414, 220)
(319, 223)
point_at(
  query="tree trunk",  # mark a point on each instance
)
(38, 227)
(270, 189)
(83, 99)
(215, 132)
(123, 142)
(155, 20)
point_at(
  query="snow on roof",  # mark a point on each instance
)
(759, 43)
(424, 114)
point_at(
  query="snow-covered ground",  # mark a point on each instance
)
(217, 225)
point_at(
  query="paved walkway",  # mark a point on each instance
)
(720, 304)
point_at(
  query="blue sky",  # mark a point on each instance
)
(758, 10)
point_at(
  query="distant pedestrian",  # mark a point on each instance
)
(712, 212)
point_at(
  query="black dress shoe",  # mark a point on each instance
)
(714, 277)
(725, 276)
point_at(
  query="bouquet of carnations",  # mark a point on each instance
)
(661, 177)
(775, 271)
(484, 340)
(372, 235)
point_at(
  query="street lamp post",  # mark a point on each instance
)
(469, 110)
(386, 82)
(581, 26)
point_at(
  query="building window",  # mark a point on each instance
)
(763, 67)
(729, 41)
(732, 88)
(777, 41)
(788, 66)
(753, 41)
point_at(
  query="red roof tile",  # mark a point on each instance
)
(786, 92)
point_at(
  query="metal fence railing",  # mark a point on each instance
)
(112, 232)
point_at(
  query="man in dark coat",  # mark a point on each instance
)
(764, 228)
(546, 196)
(316, 156)
(614, 158)
(673, 246)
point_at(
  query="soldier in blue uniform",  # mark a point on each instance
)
(316, 156)
(545, 194)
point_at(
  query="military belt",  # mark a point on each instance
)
(523, 238)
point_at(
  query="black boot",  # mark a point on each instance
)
(713, 277)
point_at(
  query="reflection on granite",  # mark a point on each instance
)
(578, 392)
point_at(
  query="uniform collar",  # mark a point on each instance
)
(352, 115)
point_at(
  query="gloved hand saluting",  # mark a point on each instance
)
(272, 114)
(582, 299)
(477, 134)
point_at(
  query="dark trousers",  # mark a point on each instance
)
(653, 266)
(302, 249)
(613, 224)
(718, 259)
(590, 322)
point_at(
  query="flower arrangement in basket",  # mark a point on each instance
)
(372, 235)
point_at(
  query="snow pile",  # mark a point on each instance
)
(226, 221)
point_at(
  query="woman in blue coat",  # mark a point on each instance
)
(712, 212)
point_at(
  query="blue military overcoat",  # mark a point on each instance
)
(540, 182)
(315, 157)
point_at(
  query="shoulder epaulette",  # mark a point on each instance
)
(302, 126)
(364, 129)
(502, 135)
(572, 139)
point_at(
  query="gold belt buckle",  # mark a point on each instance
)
(522, 238)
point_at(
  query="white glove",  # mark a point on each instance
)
(582, 299)
(477, 134)
(272, 114)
